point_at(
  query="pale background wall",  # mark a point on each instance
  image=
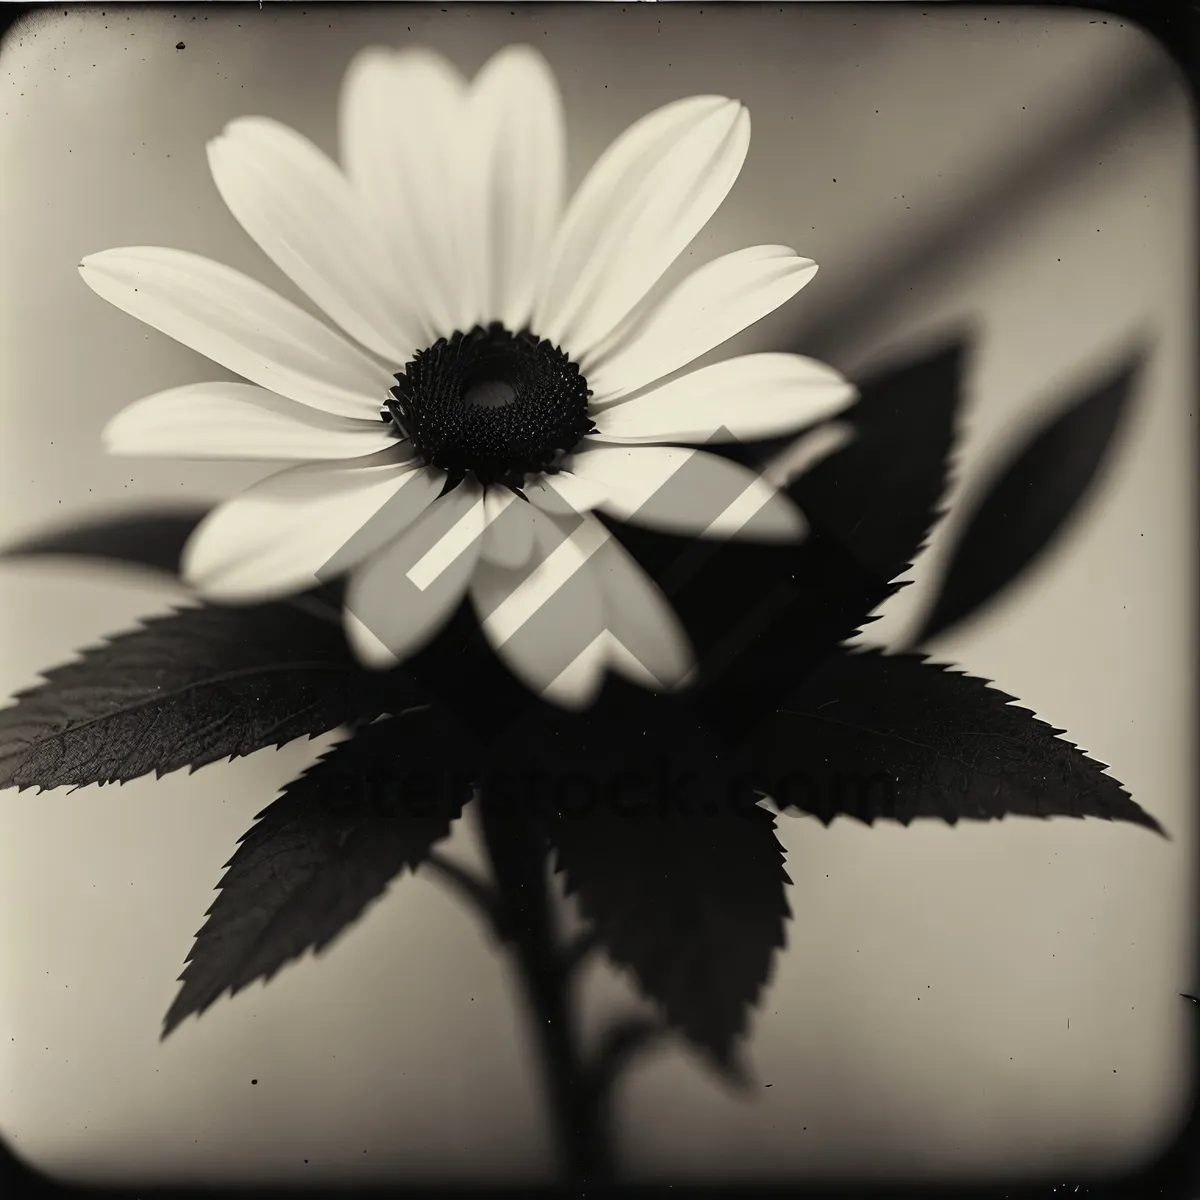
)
(918, 1022)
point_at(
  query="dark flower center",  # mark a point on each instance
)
(497, 405)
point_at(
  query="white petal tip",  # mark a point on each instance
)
(573, 692)
(569, 698)
(384, 58)
(213, 151)
(777, 522)
(577, 685)
(216, 589)
(686, 672)
(368, 649)
(243, 122)
(95, 268)
(119, 436)
(789, 528)
(843, 399)
(520, 52)
(96, 260)
(811, 448)
(111, 441)
(212, 578)
(670, 677)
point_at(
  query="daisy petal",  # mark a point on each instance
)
(578, 685)
(516, 109)
(542, 619)
(624, 662)
(299, 208)
(402, 596)
(624, 165)
(643, 202)
(304, 526)
(808, 450)
(646, 642)
(564, 494)
(508, 536)
(709, 307)
(741, 399)
(238, 420)
(237, 322)
(406, 147)
(681, 490)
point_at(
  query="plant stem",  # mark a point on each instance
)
(518, 854)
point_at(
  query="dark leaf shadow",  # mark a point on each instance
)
(153, 539)
(880, 494)
(895, 737)
(1032, 496)
(762, 617)
(329, 846)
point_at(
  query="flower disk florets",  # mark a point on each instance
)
(497, 405)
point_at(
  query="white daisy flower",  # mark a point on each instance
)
(499, 374)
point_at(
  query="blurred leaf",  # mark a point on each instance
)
(879, 495)
(670, 858)
(153, 539)
(759, 617)
(323, 851)
(190, 688)
(894, 737)
(763, 617)
(1030, 498)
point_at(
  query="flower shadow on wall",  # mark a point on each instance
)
(655, 810)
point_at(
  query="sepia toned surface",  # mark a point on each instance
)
(967, 1000)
